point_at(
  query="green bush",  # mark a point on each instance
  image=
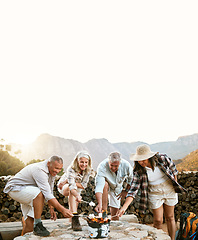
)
(9, 165)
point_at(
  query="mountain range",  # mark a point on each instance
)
(47, 145)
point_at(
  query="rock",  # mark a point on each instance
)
(124, 229)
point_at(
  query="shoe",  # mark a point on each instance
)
(76, 224)
(40, 230)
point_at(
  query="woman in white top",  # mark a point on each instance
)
(155, 175)
(74, 180)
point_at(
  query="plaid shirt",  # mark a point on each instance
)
(140, 181)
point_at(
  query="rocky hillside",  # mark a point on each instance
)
(47, 145)
(189, 163)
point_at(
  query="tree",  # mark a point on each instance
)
(8, 148)
(9, 165)
(34, 161)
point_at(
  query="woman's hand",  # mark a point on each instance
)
(78, 198)
(122, 194)
(61, 185)
(121, 211)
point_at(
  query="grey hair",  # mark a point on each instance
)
(75, 165)
(114, 157)
(55, 158)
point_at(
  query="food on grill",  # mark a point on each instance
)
(92, 204)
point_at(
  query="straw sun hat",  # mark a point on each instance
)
(143, 152)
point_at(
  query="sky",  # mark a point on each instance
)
(122, 70)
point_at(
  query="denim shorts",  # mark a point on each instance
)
(163, 193)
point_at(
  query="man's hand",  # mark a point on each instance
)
(98, 208)
(53, 214)
(66, 213)
(122, 195)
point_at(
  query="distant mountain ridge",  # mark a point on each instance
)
(47, 145)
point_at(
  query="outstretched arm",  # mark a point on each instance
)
(98, 208)
(66, 212)
(123, 209)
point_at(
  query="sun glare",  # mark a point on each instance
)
(22, 139)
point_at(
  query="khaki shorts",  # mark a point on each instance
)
(26, 197)
(113, 201)
(163, 193)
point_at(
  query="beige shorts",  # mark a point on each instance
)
(113, 200)
(66, 186)
(26, 197)
(163, 193)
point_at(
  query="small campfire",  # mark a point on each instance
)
(98, 226)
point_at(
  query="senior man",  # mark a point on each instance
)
(31, 186)
(111, 174)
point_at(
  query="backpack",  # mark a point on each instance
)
(188, 227)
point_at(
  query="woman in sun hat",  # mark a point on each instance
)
(155, 175)
(74, 180)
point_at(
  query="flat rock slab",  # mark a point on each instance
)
(125, 229)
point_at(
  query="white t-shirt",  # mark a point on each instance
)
(156, 177)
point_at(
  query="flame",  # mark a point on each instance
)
(99, 220)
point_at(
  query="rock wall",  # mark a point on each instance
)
(10, 210)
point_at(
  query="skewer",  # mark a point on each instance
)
(92, 204)
(88, 215)
(114, 216)
(81, 215)
(84, 201)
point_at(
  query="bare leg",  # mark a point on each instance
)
(113, 213)
(73, 205)
(66, 194)
(38, 204)
(105, 196)
(29, 225)
(23, 224)
(66, 191)
(170, 220)
(158, 217)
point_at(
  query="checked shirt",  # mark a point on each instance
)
(140, 181)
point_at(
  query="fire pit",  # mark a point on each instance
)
(98, 226)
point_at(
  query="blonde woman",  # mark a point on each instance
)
(74, 180)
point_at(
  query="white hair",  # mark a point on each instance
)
(55, 158)
(114, 157)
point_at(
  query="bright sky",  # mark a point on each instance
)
(120, 70)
